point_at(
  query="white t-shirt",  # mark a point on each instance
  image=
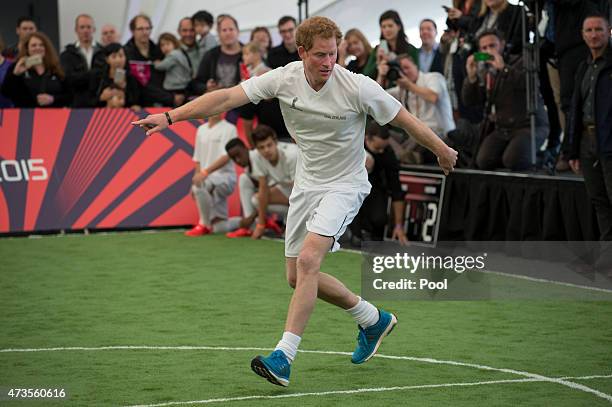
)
(438, 116)
(210, 144)
(328, 125)
(284, 170)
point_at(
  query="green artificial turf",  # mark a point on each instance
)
(162, 289)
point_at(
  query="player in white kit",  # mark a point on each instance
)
(325, 108)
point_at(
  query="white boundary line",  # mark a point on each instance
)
(543, 280)
(336, 392)
(531, 376)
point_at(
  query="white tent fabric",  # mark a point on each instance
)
(165, 14)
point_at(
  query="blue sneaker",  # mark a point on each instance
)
(369, 339)
(274, 368)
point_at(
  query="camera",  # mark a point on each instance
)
(394, 70)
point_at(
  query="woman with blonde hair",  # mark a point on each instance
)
(37, 78)
(357, 45)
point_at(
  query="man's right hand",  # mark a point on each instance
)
(20, 67)
(153, 123)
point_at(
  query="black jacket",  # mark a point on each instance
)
(77, 72)
(437, 63)
(509, 23)
(384, 177)
(603, 109)
(99, 80)
(23, 89)
(208, 70)
(466, 21)
(280, 56)
(509, 95)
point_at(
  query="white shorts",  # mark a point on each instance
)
(326, 212)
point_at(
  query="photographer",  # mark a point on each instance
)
(424, 95)
(500, 88)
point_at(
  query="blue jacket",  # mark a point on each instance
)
(603, 109)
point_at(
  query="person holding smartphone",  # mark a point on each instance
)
(114, 75)
(37, 78)
(498, 85)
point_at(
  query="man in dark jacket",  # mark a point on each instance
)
(220, 67)
(287, 51)
(590, 121)
(25, 26)
(79, 58)
(383, 174)
(141, 52)
(430, 55)
(500, 86)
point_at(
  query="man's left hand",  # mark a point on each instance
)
(399, 235)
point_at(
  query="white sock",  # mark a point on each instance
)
(289, 345)
(364, 313)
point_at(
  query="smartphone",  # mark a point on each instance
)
(384, 46)
(482, 57)
(446, 8)
(33, 60)
(119, 76)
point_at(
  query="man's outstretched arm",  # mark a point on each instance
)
(204, 106)
(447, 157)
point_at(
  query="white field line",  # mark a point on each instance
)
(534, 376)
(335, 392)
(543, 280)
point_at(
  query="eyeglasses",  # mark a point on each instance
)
(287, 31)
(143, 29)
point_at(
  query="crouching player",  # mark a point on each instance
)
(266, 184)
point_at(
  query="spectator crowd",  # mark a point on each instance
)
(470, 89)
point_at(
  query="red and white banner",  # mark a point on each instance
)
(89, 168)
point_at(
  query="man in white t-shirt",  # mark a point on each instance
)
(214, 176)
(325, 108)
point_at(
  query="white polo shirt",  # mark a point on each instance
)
(210, 145)
(328, 125)
(284, 170)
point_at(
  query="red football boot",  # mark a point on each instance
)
(198, 230)
(242, 232)
(273, 225)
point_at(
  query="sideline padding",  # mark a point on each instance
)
(70, 169)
